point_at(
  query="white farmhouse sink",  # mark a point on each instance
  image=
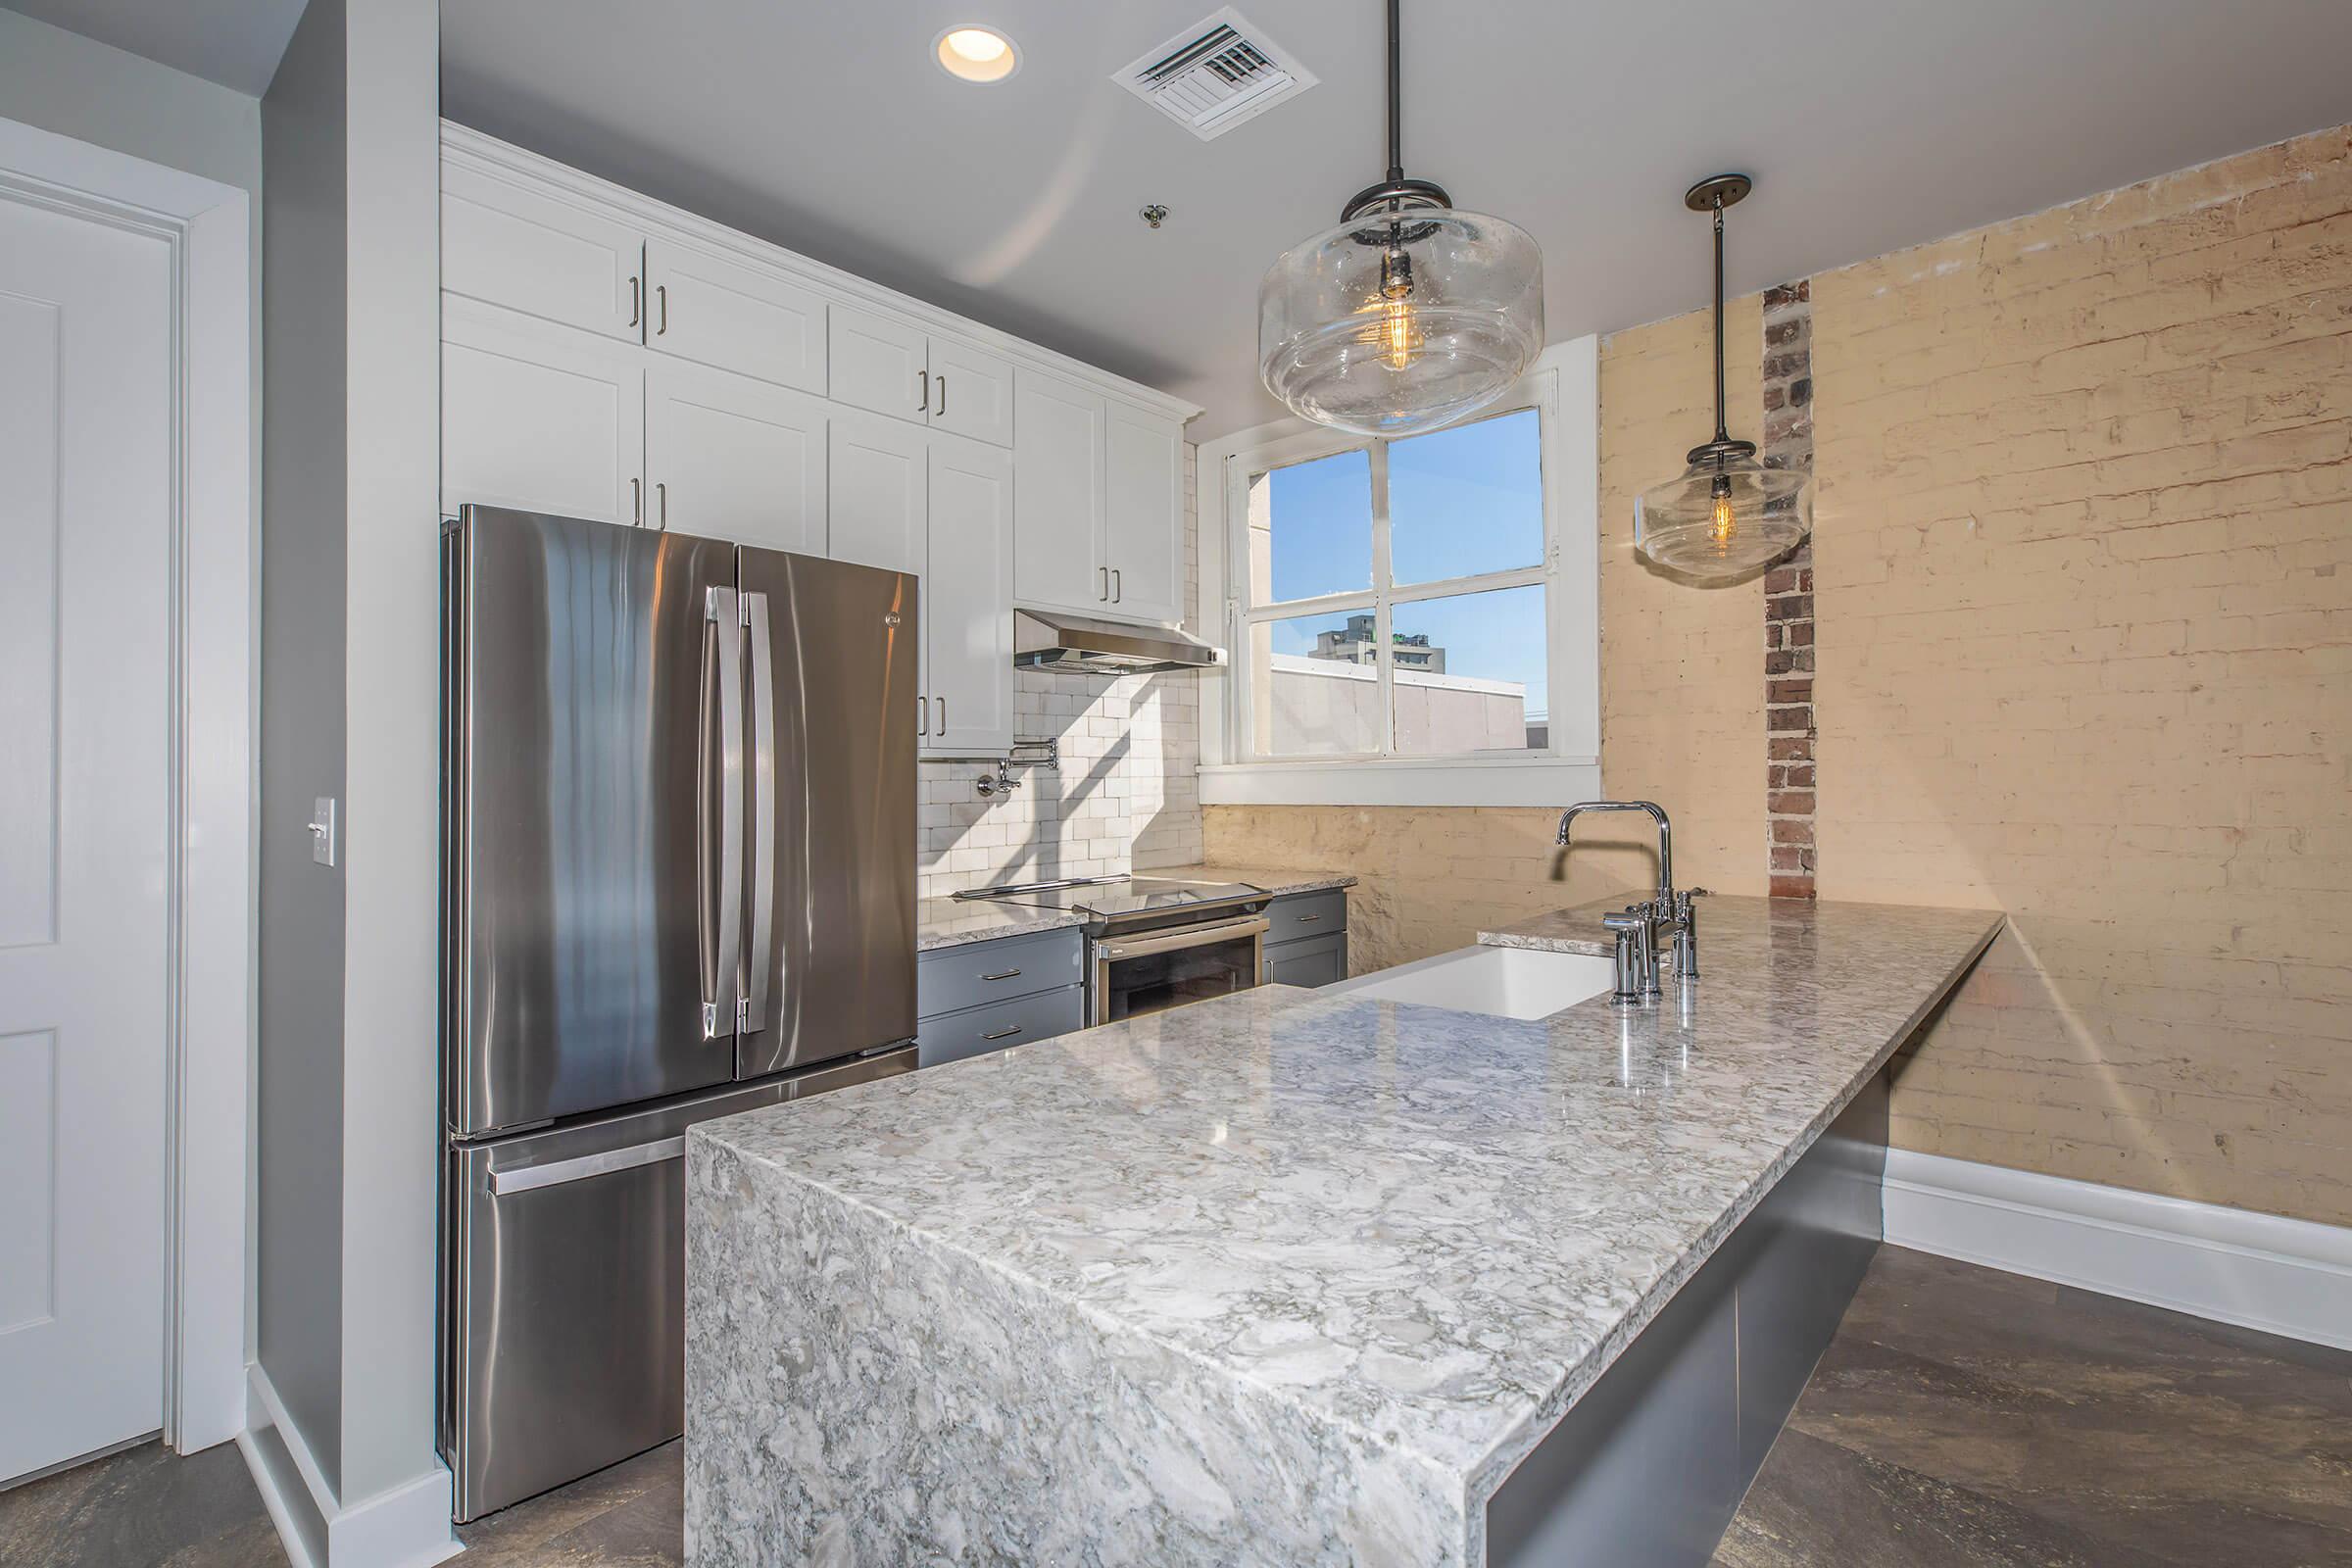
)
(1506, 982)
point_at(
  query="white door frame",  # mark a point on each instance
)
(209, 999)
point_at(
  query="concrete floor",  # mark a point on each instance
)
(1963, 1418)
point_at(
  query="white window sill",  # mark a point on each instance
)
(1549, 781)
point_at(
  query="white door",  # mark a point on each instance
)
(540, 418)
(86, 495)
(735, 459)
(878, 363)
(972, 393)
(877, 481)
(1058, 510)
(1143, 514)
(735, 316)
(530, 252)
(967, 598)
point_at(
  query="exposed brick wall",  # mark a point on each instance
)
(1789, 765)
(2085, 587)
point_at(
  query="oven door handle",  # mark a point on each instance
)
(1191, 935)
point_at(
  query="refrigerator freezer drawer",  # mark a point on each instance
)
(565, 1329)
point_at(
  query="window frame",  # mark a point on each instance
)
(1562, 390)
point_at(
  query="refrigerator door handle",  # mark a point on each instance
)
(723, 895)
(753, 1016)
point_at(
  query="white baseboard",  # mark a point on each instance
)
(2259, 1271)
(404, 1526)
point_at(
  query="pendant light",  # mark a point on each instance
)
(1407, 316)
(1728, 514)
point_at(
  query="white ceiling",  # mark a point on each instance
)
(236, 43)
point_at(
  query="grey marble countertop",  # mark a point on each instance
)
(950, 922)
(1414, 1235)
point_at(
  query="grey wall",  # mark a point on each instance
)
(305, 470)
(64, 82)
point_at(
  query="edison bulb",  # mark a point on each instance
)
(1724, 526)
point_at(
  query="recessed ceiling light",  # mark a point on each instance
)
(974, 53)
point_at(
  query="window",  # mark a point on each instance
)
(1407, 607)
(1425, 564)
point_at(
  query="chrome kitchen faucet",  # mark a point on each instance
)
(1639, 927)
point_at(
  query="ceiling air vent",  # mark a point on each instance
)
(1210, 78)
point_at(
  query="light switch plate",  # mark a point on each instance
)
(323, 830)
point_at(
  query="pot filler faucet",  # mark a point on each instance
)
(1641, 928)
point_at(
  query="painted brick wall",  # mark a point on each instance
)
(2083, 560)
(1126, 796)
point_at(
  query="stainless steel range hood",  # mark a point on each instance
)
(1050, 638)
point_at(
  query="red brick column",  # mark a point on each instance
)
(1788, 731)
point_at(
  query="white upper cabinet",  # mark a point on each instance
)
(878, 487)
(967, 600)
(732, 457)
(1143, 513)
(533, 252)
(972, 393)
(755, 320)
(539, 417)
(1057, 508)
(892, 368)
(879, 364)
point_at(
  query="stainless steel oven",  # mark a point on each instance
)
(1149, 971)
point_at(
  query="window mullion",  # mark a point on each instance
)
(1384, 657)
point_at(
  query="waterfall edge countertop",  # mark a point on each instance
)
(1274, 1277)
(952, 922)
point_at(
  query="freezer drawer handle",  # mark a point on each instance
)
(555, 1172)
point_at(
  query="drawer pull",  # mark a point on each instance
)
(1000, 1034)
(1307, 919)
(1002, 974)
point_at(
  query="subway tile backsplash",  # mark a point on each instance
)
(1126, 796)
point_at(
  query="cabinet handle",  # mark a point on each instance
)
(662, 293)
(636, 301)
(1000, 1034)
(661, 506)
(943, 713)
(1118, 586)
(1308, 919)
(943, 395)
(922, 390)
(1002, 974)
(922, 715)
(1103, 587)
(637, 503)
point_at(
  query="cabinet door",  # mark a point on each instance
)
(539, 417)
(732, 458)
(1057, 509)
(1143, 514)
(1316, 962)
(737, 318)
(878, 485)
(968, 599)
(971, 392)
(529, 252)
(878, 363)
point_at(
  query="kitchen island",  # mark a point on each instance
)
(1278, 1277)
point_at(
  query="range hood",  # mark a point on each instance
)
(1050, 638)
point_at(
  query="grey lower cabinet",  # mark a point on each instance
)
(1306, 938)
(980, 997)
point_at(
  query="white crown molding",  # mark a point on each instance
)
(493, 159)
(2259, 1271)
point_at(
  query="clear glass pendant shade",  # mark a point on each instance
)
(1725, 516)
(1400, 322)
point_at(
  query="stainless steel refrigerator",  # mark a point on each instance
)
(679, 802)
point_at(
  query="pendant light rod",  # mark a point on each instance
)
(1711, 196)
(1395, 193)
(1396, 98)
(1722, 434)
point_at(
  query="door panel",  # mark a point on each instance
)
(85, 498)
(967, 621)
(1058, 510)
(734, 316)
(577, 743)
(529, 252)
(732, 458)
(972, 393)
(539, 417)
(878, 363)
(1142, 522)
(834, 950)
(879, 488)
